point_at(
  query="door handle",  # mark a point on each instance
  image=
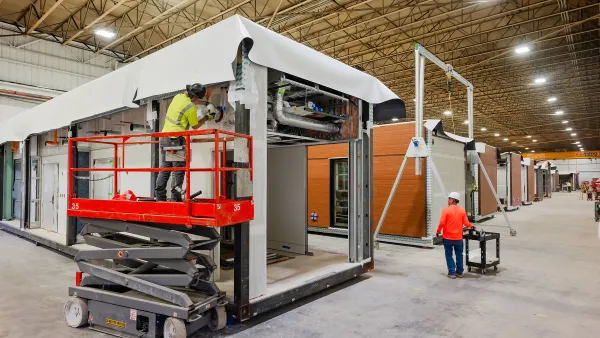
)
(52, 199)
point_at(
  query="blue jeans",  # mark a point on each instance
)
(457, 245)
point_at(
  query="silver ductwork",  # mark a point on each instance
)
(299, 121)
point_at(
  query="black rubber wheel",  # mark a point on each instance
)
(218, 319)
(495, 268)
(469, 269)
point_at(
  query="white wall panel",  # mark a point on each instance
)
(449, 157)
(501, 188)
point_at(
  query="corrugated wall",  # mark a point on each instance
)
(32, 66)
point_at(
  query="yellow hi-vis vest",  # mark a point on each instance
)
(181, 114)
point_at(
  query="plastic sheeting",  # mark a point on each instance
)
(206, 57)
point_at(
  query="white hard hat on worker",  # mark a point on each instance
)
(454, 195)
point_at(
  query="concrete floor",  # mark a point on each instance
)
(548, 285)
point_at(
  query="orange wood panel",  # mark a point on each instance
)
(487, 201)
(515, 179)
(530, 182)
(392, 139)
(406, 216)
(318, 192)
(326, 151)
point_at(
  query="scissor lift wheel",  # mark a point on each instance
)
(174, 328)
(218, 318)
(76, 312)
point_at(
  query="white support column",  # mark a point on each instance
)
(470, 110)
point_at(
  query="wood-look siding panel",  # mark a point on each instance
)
(392, 139)
(515, 179)
(530, 182)
(406, 216)
(326, 151)
(487, 201)
(319, 192)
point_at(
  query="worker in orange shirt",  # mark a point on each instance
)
(451, 227)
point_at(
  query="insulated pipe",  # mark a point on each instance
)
(300, 121)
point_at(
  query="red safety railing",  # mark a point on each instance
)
(218, 211)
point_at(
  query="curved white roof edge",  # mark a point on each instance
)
(439, 126)
(204, 57)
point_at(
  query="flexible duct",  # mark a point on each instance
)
(300, 121)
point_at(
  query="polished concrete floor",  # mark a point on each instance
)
(548, 285)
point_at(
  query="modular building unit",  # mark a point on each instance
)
(509, 180)
(527, 181)
(262, 79)
(417, 205)
(481, 203)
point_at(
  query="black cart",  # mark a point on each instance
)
(482, 237)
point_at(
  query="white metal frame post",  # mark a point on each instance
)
(417, 147)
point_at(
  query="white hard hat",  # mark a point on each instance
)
(454, 195)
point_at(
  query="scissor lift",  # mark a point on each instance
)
(150, 278)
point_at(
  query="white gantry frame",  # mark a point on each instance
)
(417, 147)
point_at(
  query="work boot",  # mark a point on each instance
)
(460, 275)
(161, 195)
(176, 196)
(451, 276)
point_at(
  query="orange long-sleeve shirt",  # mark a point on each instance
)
(451, 222)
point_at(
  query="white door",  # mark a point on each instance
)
(50, 197)
(102, 181)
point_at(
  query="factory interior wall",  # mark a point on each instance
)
(515, 179)
(588, 169)
(487, 201)
(450, 161)
(286, 199)
(319, 181)
(7, 182)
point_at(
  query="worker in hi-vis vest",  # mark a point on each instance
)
(181, 115)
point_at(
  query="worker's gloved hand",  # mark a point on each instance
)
(211, 112)
(437, 234)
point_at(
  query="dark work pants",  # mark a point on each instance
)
(163, 176)
(457, 247)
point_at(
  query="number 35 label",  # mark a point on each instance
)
(74, 206)
(236, 207)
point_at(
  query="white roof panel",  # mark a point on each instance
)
(205, 57)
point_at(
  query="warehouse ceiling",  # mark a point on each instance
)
(559, 41)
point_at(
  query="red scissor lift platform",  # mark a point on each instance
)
(215, 212)
(159, 280)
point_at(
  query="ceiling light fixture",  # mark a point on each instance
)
(569, 129)
(466, 122)
(528, 136)
(513, 142)
(577, 142)
(533, 151)
(447, 113)
(505, 139)
(522, 50)
(534, 140)
(526, 148)
(552, 99)
(565, 121)
(105, 33)
(540, 80)
(496, 134)
(483, 129)
(559, 112)
(395, 119)
(573, 134)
